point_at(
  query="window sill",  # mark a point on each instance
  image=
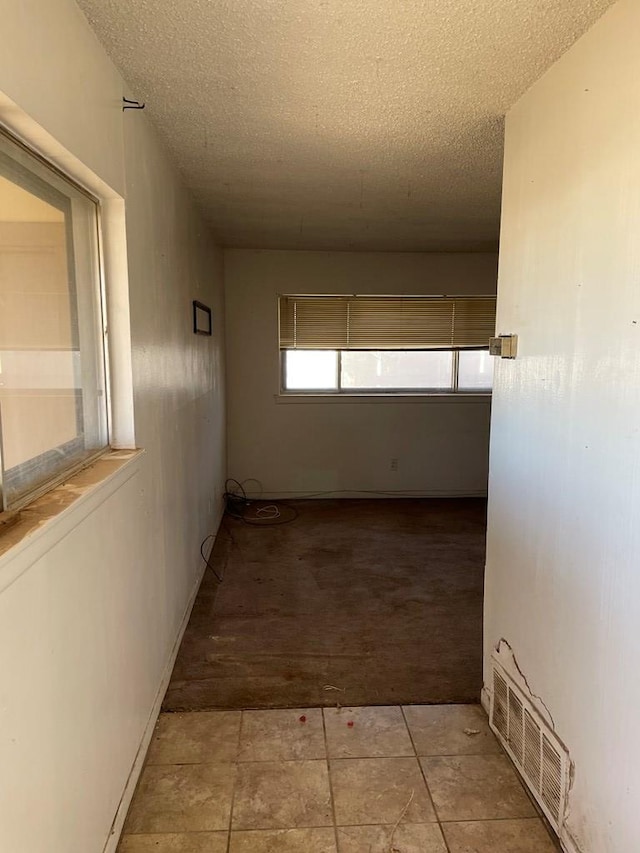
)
(29, 533)
(428, 399)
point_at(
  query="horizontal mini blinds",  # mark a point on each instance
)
(386, 322)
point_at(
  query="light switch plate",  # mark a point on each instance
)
(504, 346)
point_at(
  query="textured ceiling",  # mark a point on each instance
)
(339, 124)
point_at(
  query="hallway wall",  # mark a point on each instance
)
(88, 628)
(301, 446)
(562, 577)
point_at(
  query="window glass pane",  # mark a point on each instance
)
(52, 392)
(311, 370)
(397, 369)
(475, 370)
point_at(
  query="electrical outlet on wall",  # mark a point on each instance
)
(394, 464)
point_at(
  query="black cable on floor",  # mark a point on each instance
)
(206, 559)
(256, 512)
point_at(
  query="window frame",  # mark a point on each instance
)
(425, 391)
(453, 391)
(46, 484)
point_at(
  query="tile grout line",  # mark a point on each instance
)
(333, 805)
(422, 773)
(535, 817)
(235, 781)
(348, 825)
(336, 758)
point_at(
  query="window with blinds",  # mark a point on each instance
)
(386, 323)
(380, 344)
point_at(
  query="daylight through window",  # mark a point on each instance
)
(383, 345)
(52, 378)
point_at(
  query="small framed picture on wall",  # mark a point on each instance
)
(201, 319)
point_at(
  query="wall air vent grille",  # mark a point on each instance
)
(532, 744)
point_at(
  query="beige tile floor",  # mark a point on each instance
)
(417, 779)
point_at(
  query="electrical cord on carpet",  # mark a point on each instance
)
(216, 537)
(219, 578)
(255, 512)
(259, 513)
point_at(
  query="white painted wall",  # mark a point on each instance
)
(54, 69)
(563, 577)
(302, 447)
(87, 631)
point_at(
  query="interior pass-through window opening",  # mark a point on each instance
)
(53, 402)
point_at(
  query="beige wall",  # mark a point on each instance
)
(300, 447)
(563, 578)
(88, 624)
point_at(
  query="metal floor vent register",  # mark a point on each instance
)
(538, 753)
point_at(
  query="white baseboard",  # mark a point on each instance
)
(485, 699)
(347, 494)
(567, 843)
(136, 769)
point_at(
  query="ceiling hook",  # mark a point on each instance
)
(128, 104)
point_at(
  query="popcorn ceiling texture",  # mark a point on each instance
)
(359, 124)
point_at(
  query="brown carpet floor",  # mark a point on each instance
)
(357, 602)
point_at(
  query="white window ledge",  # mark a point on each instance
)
(32, 531)
(425, 399)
